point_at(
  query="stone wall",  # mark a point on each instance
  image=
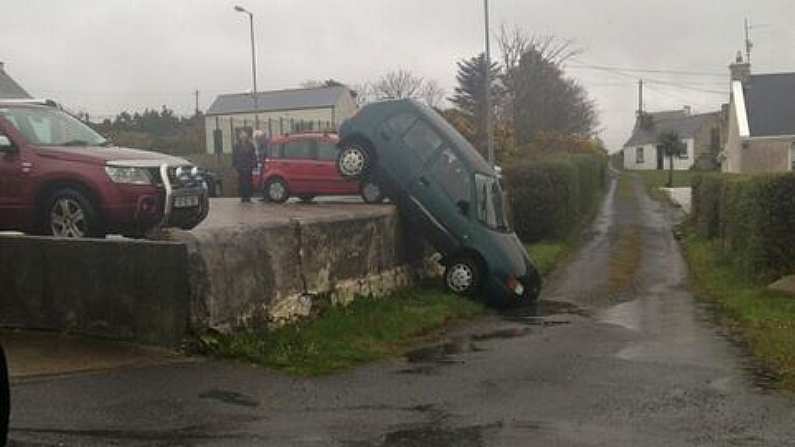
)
(130, 290)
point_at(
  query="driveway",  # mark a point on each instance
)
(618, 353)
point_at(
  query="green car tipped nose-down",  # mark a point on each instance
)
(443, 186)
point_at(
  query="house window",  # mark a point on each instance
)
(684, 155)
(639, 155)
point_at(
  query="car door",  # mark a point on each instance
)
(329, 179)
(13, 172)
(298, 161)
(428, 156)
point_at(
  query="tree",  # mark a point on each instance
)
(671, 145)
(398, 84)
(470, 94)
(433, 94)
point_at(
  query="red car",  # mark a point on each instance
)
(305, 166)
(58, 177)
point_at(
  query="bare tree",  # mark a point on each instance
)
(398, 84)
(433, 94)
(363, 93)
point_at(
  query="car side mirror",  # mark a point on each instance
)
(463, 207)
(6, 145)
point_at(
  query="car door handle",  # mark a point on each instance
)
(425, 181)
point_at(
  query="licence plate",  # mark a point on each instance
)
(186, 201)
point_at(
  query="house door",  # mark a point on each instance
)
(660, 158)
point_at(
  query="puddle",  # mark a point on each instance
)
(229, 397)
(536, 314)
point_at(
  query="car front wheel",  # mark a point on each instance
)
(69, 213)
(353, 161)
(276, 190)
(462, 276)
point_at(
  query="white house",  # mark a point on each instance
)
(700, 133)
(276, 113)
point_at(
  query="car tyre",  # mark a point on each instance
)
(371, 192)
(462, 276)
(69, 213)
(276, 190)
(353, 161)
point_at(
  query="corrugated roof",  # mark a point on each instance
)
(9, 89)
(770, 102)
(304, 98)
(673, 120)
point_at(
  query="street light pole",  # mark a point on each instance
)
(253, 64)
(487, 88)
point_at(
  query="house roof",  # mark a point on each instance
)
(770, 104)
(9, 89)
(305, 98)
(678, 121)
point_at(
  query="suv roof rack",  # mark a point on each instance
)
(33, 101)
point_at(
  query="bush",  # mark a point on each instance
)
(752, 216)
(548, 198)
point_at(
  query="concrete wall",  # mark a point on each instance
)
(252, 275)
(133, 290)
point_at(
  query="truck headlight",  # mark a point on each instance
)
(128, 175)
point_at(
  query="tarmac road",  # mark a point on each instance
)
(618, 353)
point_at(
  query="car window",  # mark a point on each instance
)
(422, 139)
(400, 123)
(490, 203)
(299, 149)
(453, 176)
(327, 151)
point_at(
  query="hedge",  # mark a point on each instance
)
(549, 198)
(752, 216)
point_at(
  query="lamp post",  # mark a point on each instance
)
(253, 63)
(487, 87)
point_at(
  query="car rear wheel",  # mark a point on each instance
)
(276, 190)
(69, 213)
(372, 192)
(353, 160)
(462, 276)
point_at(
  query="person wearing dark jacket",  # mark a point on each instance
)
(244, 159)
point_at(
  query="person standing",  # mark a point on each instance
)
(261, 143)
(244, 159)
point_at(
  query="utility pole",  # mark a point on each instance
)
(253, 64)
(748, 44)
(197, 100)
(487, 87)
(640, 98)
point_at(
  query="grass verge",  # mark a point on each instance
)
(654, 180)
(547, 254)
(764, 319)
(342, 337)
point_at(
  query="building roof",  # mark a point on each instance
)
(9, 89)
(678, 121)
(304, 98)
(770, 104)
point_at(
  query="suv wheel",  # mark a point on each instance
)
(68, 213)
(371, 192)
(462, 276)
(353, 161)
(276, 190)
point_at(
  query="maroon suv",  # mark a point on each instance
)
(58, 177)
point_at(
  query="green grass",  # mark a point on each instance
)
(764, 319)
(368, 329)
(659, 179)
(547, 254)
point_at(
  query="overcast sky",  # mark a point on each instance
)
(105, 56)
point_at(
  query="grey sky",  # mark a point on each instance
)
(104, 56)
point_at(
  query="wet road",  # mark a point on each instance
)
(617, 353)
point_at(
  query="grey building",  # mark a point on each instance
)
(761, 122)
(9, 88)
(276, 113)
